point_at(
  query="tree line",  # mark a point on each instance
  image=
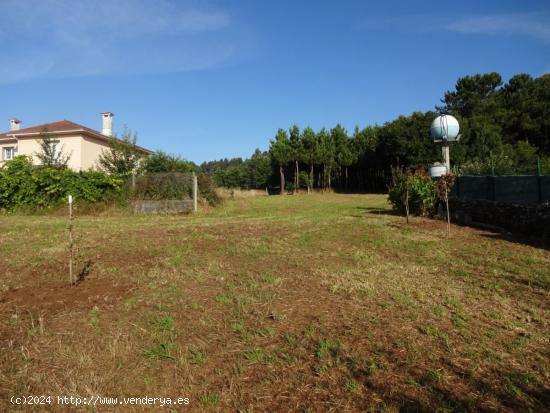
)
(505, 129)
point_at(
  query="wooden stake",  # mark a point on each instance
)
(447, 205)
(71, 278)
(407, 202)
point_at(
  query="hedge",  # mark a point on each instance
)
(24, 186)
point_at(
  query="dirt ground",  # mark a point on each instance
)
(306, 303)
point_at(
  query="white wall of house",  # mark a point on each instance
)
(91, 150)
(84, 150)
(68, 144)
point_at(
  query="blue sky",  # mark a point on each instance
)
(216, 79)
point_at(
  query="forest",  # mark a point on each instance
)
(505, 129)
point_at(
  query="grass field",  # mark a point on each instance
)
(299, 303)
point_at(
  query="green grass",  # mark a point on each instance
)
(164, 324)
(326, 348)
(197, 356)
(160, 350)
(319, 302)
(259, 355)
(210, 399)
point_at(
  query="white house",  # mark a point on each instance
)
(84, 145)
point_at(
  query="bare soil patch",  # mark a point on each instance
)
(61, 297)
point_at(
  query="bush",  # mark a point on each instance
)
(422, 191)
(162, 162)
(172, 185)
(305, 179)
(157, 186)
(24, 186)
(207, 190)
(520, 159)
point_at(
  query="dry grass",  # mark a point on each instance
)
(232, 193)
(297, 303)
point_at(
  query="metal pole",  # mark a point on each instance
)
(446, 157)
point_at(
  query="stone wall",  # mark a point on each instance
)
(528, 219)
(163, 206)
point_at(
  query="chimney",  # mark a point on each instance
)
(107, 119)
(15, 124)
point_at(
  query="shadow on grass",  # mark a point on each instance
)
(86, 269)
(534, 242)
(379, 211)
(374, 191)
(489, 232)
(513, 389)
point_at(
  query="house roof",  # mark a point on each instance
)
(60, 127)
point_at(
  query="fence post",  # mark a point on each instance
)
(195, 192)
(71, 240)
(492, 187)
(539, 182)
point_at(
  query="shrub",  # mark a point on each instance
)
(172, 185)
(24, 186)
(305, 179)
(157, 186)
(162, 162)
(207, 190)
(422, 191)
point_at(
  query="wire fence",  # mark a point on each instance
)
(170, 192)
(161, 186)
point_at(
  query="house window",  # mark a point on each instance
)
(55, 148)
(8, 153)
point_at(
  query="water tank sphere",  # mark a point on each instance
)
(437, 169)
(444, 127)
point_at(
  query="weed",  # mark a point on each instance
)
(272, 280)
(160, 351)
(222, 299)
(290, 340)
(522, 378)
(238, 328)
(197, 356)
(326, 348)
(260, 355)
(263, 332)
(438, 310)
(519, 343)
(164, 324)
(429, 331)
(210, 399)
(433, 376)
(403, 300)
(351, 386)
(176, 260)
(372, 368)
(460, 272)
(94, 318)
